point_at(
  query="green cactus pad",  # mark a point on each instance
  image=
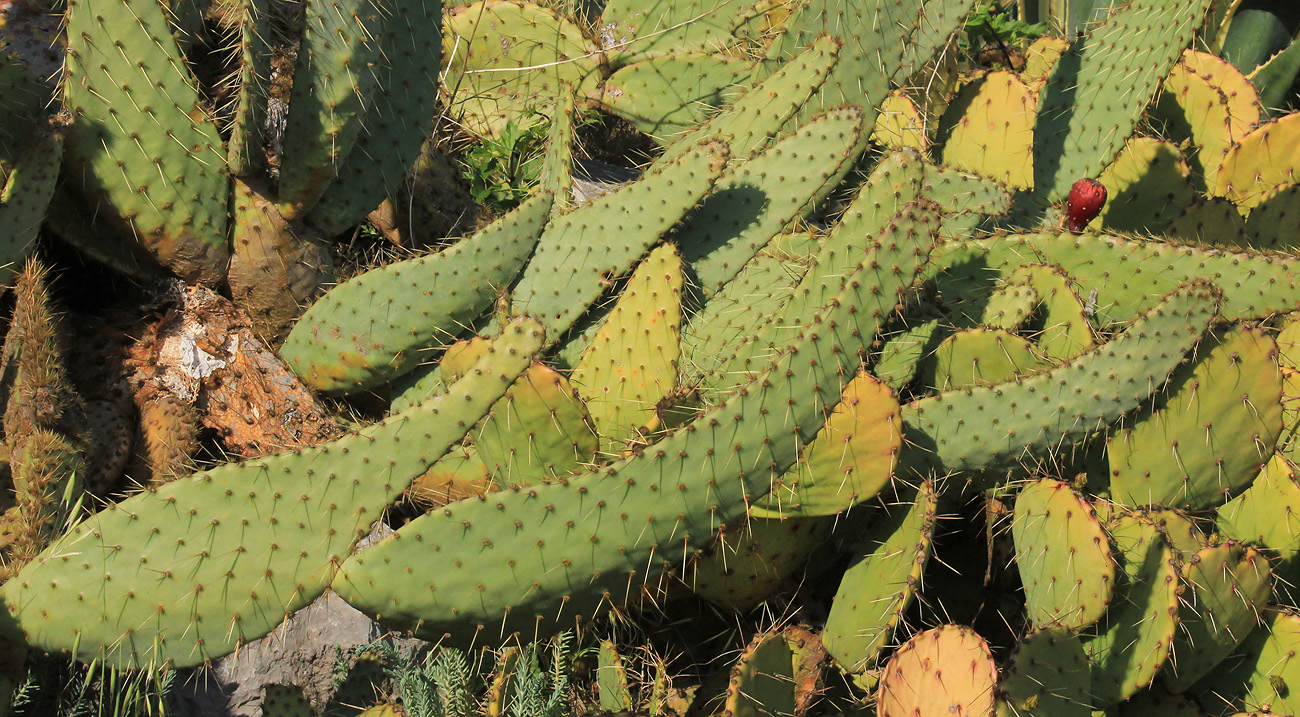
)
(557, 160)
(663, 30)
(1099, 88)
(1212, 433)
(1263, 672)
(762, 680)
(1204, 103)
(25, 101)
(396, 123)
(539, 430)
(335, 81)
(1010, 305)
(982, 357)
(285, 701)
(1210, 220)
(944, 671)
(244, 153)
(1266, 515)
(761, 288)
(834, 259)
(459, 474)
(1227, 588)
(666, 96)
(188, 571)
(502, 57)
(1134, 637)
(580, 254)
(882, 581)
(849, 461)
(1147, 185)
(1063, 555)
(384, 322)
(530, 561)
(611, 679)
(755, 200)
(970, 429)
(989, 129)
(1260, 163)
(884, 41)
(1065, 330)
(747, 565)
(1128, 274)
(24, 196)
(902, 354)
(759, 115)
(631, 365)
(142, 145)
(1048, 677)
(1269, 225)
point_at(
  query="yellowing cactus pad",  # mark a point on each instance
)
(990, 130)
(1263, 161)
(632, 363)
(851, 459)
(944, 671)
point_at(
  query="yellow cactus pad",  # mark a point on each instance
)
(849, 461)
(1261, 163)
(631, 365)
(1041, 58)
(1208, 105)
(989, 129)
(944, 671)
(900, 124)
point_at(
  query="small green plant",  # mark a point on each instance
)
(502, 171)
(994, 24)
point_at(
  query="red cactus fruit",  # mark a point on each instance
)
(1087, 197)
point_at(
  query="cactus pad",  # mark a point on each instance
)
(882, 581)
(1261, 163)
(631, 365)
(989, 129)
(1148, 185)
(1047, 677)
(384, 322)
(982, 357)
(1227, 588)
(1135, 635)
(1214, 431)
(849, 461)
(1100, 86)
(1063, 555)
(504, 56)
(947, 670)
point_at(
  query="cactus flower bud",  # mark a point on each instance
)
(1086, 199)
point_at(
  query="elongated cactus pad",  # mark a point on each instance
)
(882, 581)
(384, 322)
(190, 570)
(1100, 86)
(959, 430)
(142, 143)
